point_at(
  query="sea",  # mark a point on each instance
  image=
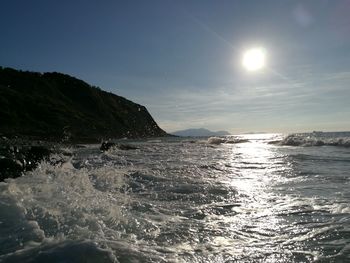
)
(243, 198)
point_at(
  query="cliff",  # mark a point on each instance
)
(57, 106)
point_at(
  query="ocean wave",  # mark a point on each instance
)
(61, 203)
(183, 201)
(66, 251)
(228, 140)
(313, 140)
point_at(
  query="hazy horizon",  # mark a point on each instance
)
(260, 131)
(183, 59)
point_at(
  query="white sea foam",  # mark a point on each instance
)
(343, 208)
(216, 140)
(180, 202)
(229, 140)
(60, 201)
(314, 140)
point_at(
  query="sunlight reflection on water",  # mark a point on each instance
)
(258, 229)
(191, 201)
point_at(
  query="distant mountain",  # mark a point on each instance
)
(55, 105)
(201, 132)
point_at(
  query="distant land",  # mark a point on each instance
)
(55, 105)
(201, 132)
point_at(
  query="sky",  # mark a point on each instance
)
(182, 58)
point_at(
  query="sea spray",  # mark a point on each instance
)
(176, 200)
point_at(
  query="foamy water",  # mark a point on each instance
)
(249, 198)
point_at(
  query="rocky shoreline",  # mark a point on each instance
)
(18, 156)
(22, 154)
(41, 112)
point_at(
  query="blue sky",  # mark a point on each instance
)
(182, 58)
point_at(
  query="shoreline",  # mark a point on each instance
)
(23, 153)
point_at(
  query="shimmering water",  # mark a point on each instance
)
(249, 198)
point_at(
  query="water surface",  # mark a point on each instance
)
(249, 198)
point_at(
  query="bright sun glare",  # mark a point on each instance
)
(254, 59)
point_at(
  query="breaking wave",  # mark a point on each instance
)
(53, 208)
(229, 140)
(175, 200)
(314, 139)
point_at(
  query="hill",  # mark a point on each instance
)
(55, 105)
(201, 132)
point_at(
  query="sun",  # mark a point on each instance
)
(254, 59)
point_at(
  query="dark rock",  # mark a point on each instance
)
(35, 155)
(275, 142)
(9, 169)
(105, 146)
(126, 147)
(18, 159)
